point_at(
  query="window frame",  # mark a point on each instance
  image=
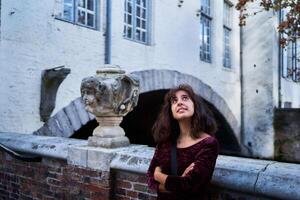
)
(134, 18)
(227, 24)
(289, 64)
(205, 18)
(74, 15)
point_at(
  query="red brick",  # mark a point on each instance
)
(52, 181)
(123, 184)
(119, 197)
(120, 191)
(131, 194)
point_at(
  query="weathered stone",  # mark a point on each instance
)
(281, 180)
(54, 128)
(77, 156)
(71, 112)
(109, 95)
(51, 80)
(287, 135)
(108, 142)
(99, 158)
(64, 124)
(82, 113)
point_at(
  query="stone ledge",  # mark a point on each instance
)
(55, 147)
(269, 179)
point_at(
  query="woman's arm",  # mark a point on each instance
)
(201, 173)
(152, 183)
(161, 177)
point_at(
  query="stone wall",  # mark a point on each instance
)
(70, 169)
(287, 135)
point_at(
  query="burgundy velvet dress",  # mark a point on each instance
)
(194, 185)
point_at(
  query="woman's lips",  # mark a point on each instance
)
(181, 109)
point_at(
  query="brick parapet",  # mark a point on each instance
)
(50, 179)
(257, 178)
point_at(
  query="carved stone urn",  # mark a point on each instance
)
(109, 95)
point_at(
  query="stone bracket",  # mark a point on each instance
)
(51, 80)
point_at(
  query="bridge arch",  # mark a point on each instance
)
(74, 121)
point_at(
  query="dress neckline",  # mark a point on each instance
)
(181, 148)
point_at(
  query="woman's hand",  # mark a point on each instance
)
(157, 171)
(159, 176)
(188, 169)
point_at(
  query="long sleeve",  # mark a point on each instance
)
(200, 176)
(150, 173)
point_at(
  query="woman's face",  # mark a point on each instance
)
(182, 106)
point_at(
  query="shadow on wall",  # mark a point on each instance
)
(138, 124)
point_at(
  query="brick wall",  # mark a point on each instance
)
(55, 179)
(131, 186)
(50, 179)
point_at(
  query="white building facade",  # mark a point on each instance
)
(199, 39)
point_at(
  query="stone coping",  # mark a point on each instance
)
(55, 147)
(264, 178)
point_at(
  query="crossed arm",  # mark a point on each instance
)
(195, 176)
(161, 177)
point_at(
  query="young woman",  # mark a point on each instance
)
(186, 125)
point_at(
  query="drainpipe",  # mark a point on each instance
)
(280, 65)
(107, 51)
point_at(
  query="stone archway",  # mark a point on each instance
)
(69, 120)
(152, 80)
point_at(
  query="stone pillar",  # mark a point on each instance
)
(109, 95)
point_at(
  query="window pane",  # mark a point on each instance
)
(143, 3)
(144, 13)
(129, 19)
(81, 3)
(138, 34)
(129, 32)
(143, 24)
(205, 49)
(129, 7)
(81, 17)
(138, 11)
(138, 21)
(90, 5)
(144, 36)
(90, 20)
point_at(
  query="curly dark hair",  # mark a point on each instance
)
(166, 128)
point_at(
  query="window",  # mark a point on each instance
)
(290, 58)
(136, 20)
(205, 31)
(82, 12)
(227, 34)
(290, 61)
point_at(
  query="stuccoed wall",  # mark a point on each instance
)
(290, 93)
(33, 40)
(258, 82)
(175, 45)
